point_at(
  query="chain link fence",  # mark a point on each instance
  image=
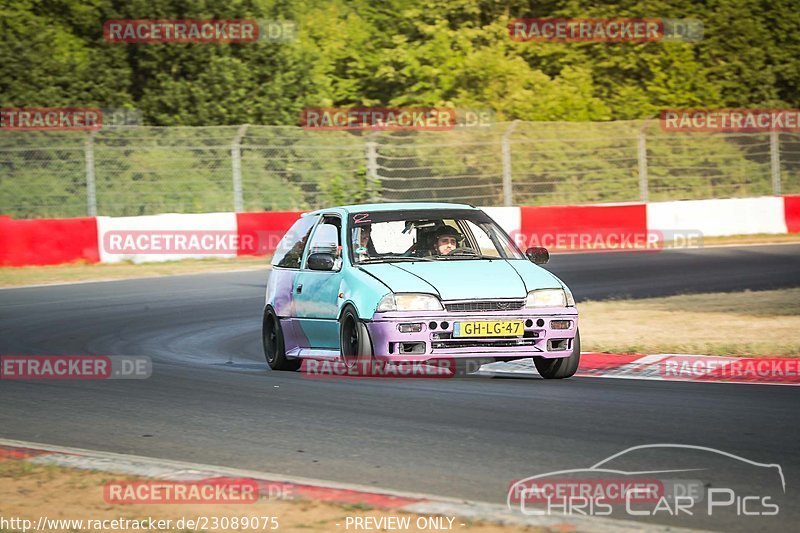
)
(138, 170)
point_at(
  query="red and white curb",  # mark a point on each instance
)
(308, 489)
(672, 367)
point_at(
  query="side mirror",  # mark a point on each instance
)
(325, 239)
(538, 254)
(321, 261)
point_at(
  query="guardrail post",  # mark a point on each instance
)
(372, 169)
(508, 197)
(775, 161)
(642, 157)
(91, 188)
(236, 167)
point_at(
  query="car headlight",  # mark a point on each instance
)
(546, 298)
(409, 301)
(570, 298)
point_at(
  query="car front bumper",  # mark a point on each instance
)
(540, 338)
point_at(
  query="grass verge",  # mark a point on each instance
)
(759, 238)
(749, 323)
(28, 491)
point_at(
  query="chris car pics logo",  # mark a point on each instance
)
(656, 480)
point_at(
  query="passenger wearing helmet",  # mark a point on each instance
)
(445, 240)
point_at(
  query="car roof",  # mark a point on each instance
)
(394, 206)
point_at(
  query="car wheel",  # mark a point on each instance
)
(562, 367)
(355, 344)
(274, 348)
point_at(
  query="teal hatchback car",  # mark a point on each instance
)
(414, 283)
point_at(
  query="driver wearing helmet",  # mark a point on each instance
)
(362, 242)
(445, 240)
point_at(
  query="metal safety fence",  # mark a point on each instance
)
(138, 170)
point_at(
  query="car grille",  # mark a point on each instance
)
(484, 306)
(482, 343)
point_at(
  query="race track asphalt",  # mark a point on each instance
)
(212, 400)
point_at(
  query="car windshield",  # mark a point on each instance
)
(427, 235)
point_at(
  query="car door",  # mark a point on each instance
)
(316, 293)
(286, 263)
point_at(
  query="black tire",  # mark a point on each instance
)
(354, 343)
(562, 367)
(274, 348)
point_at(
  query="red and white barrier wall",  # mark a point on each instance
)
(55, 241)
(48, 241)
(112, 232)
(583, 226)
(738, 216)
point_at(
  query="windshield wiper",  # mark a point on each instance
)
(393, 258)
(450, 257)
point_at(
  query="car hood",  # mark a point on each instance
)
(465, 280)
